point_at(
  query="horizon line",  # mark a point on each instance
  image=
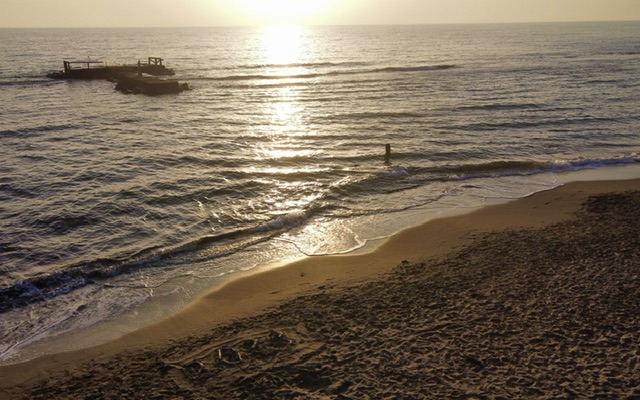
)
(318, 25)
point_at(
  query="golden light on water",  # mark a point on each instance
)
(282, 44)
(283, 50)
(285, 126)
(282, 147)
(286, 112)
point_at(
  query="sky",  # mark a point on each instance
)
(173, 13)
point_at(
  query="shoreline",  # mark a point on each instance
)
(252, 296)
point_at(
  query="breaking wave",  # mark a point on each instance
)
(47, 286)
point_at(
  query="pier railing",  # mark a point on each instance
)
(89, 64)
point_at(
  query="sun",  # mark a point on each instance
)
(277, 11)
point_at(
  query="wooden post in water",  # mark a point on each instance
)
(387, 154)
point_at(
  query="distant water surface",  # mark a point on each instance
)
(109, 200)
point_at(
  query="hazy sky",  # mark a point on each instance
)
(133, 13)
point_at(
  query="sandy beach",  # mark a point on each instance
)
(536, 298)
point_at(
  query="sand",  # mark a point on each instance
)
(536, 298)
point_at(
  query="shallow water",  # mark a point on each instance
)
(109, 200)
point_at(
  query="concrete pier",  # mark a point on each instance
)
(133, 83)
(132, 78)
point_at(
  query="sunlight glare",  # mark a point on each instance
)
(272, 11)
(282, 44)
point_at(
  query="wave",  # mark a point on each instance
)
(624, 53)
(302, 65)
(498, 106)
(604, 82)
(524, 168)
(415, 69)
(47, 286)
(373, 115)
(310, 75)
(500, 167)
(24, 81)
(10, 190)
(62, 224)
(36, 129)
(398, 178)
(348, 189)
(591, 163)
(486, 126)
(279, 83)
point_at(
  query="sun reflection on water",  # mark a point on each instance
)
(283, 50)
(282, 44)
(284, 125)
(285, 154)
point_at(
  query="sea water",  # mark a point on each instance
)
(110, 203)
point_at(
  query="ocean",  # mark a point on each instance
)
(118, 207)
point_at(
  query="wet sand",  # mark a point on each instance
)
(536, 298)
